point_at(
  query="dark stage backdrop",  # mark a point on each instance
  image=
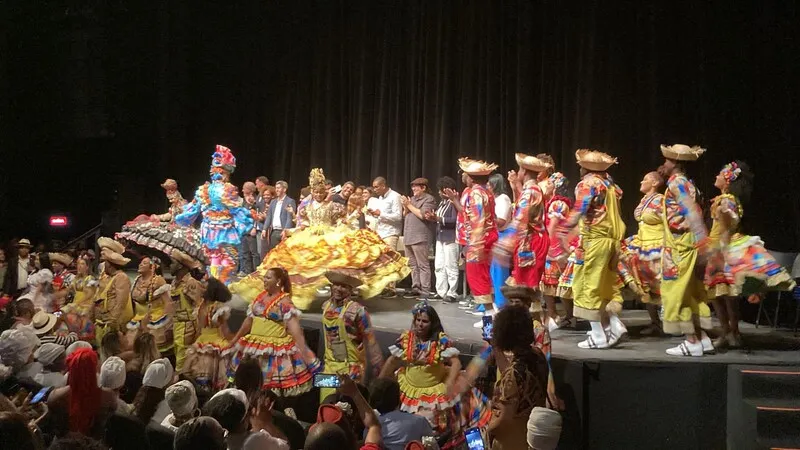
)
(402, 89)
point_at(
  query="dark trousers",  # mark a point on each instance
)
(274, 238)
(250, 257)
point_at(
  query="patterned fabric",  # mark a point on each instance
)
(683, 212)
(567, 275)
(519, 389)
(282, 363)
(146, 303)
(461, 231)
(423, 391)
(642, 251)
(79, 315)
(557, 210)
(479, 224)
(359, 331)
(590, 195)
(207, 359)
(523, 239)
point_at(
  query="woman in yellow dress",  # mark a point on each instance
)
(272, 335)
(150, 297)
(79, 314)
(206, 362)
(321, 242)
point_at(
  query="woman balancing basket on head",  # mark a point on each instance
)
(323, 241)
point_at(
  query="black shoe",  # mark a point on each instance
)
(450, 299)
(411, 294)
(389, 293)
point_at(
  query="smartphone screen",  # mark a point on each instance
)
(41, 395)
(474, 439)
(326, 380)
(487, 328)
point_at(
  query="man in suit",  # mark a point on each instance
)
(22, 264)
(281, 212)
(262, 205)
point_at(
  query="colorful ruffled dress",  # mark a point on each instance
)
(557, 210)
(282, 365)
(742, 266)
(321, 245)
(206, 363)
(79, 314)
(423, 390)
(642, 251)
(151, 299)
(565, 279)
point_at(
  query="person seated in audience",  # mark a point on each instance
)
(112, 377)
(47, 328)
(125, 432)
(145, 352)
(202, 433)
(24, 312)
(182, 401)
(329, 436)
(149, 404)
(53, 358)
(397, 427)
(265, 434)
(75, 441)
(229, 407)
(16, 352)
(289, 426)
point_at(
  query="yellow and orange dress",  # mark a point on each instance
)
(321, 243)
(79, 314)
(282, 364)
(151, 298)
(741, 266)
(423, 390)
(206, 363)
(642, 251)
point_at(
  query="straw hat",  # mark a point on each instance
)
(594, 160)
(43, 322)
(113, 257)
(64, 259)
(110, 244)
(518, 291)
(169, 184)
(531, 163)
(185, 260)
(24, 243)
(474, 167)
(340, 278)
(681, 152)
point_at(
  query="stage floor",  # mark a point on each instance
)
(765, 345)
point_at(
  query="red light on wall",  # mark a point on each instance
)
(58, 221)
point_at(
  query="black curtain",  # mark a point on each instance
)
(402, 89)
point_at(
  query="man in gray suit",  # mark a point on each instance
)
(280, 216)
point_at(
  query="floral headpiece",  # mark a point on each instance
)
(223, 158)
(558, 179)
(316, 178)
(421, 307)
(731, 172)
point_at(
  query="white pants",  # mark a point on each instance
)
(445, 265)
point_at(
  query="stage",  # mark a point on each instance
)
(637, 396)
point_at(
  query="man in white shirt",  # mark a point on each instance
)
(280, 216)
(389, 214)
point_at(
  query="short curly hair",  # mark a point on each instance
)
(513, 328)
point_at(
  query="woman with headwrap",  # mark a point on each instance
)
(150, 404)
(16, 352)
(53, 359)
(81, 406)
(426, 365)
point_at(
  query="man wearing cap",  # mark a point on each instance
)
(349, 338)
(53, 359)
(418, 235)
(19, 267)
(187, 294)
(525, 249)
(113, 308)
(683, 294)
(597, 218)
(182, 401)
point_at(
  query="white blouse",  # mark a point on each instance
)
(503, 209)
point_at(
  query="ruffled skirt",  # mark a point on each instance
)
(644, 260)
(207, 360)
(163, 237)
(309, 253)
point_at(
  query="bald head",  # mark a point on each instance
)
(327, 436)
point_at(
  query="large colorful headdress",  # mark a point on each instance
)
(474, 167)
(558, 179)
(681, 152)
(316, 178)
(731, 172)
(421, 307)
(223, 158)
(594, 160)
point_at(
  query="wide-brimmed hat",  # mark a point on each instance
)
(24, 243)
(594, 160)
(111, 244)
(340, 278)
(108, 255)
(531, 163)
(169, 184)
(474, 167)
(64, 259)
(43, 322)
(681, 152)
(518, 292)
(420, 182)
(185, 260)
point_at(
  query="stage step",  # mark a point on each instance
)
(763, 407)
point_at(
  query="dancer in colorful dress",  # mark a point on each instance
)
(596, 215)
(225, 220)
(642, 251)
(557, 208)
(150, 297)
(480, 230)
(272, 335)
(159, 232)
(321, 242)
(187, 294)
(349, 337)
(504, 212)
(738, 265)
(112, 306)
(683, 295)
(78, 315)
(206, 362)
(420, 360)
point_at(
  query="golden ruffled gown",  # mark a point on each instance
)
(320, 244)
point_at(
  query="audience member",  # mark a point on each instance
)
(265, 432)
(77, 345)
(15, 434)
(150, 404)
(76, 441)
(229, 407)
(248, 377)
(397, 427)
(53, 358)
(544, 429)
(418, 236)
(202, 433)
(44, 325)
(328, 436)
(112, 377)
(24, 312)
(182, 401)
(16, 352)
(124, 432)
(19, 267)
(145, 351)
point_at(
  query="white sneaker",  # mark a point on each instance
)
(617, 331)
(708, 346)
(552, 325)
(594, 342)
(466, 301)
(686, 348)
